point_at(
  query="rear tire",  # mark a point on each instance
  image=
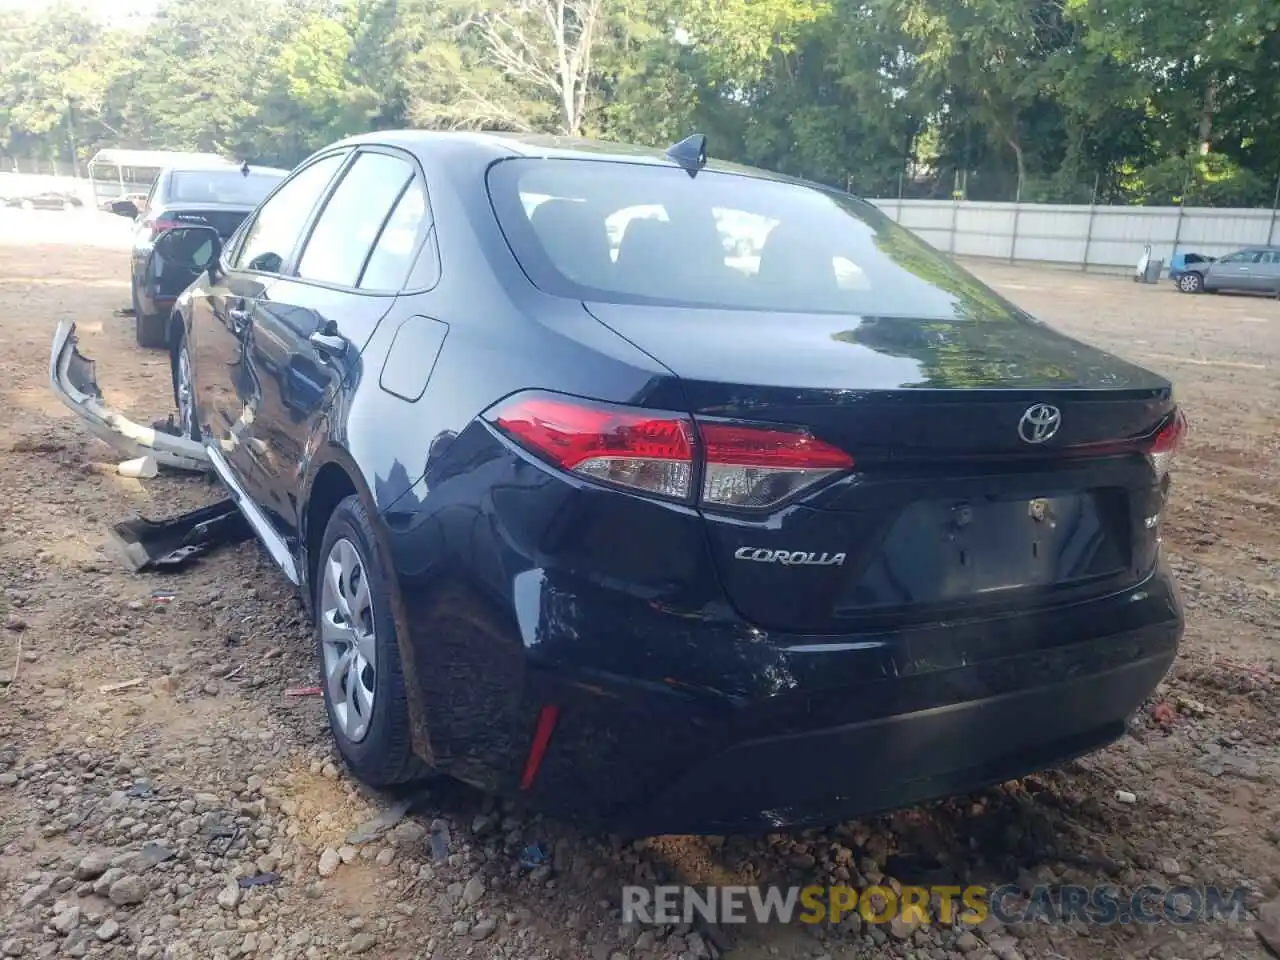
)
(152, 330)
(184, 390)
(1191, 283)
(359, 653)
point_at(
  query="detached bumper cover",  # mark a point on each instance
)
(73, 379)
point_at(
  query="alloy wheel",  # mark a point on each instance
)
(348, 640)
(186, 394)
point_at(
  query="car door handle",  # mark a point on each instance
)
(328, 343)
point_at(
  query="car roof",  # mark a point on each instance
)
(486, 147)
(155, 158)
(198, 167)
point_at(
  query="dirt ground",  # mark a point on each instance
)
(128, 814)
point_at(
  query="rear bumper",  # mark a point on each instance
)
(675, 724)
(864, 768)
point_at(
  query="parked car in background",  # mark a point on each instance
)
(1252, 270)
(115, 172)
(127, 205)
(656, 527)
(210, 193)
(46, 200)
(1180, 261)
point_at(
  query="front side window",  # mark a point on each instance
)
(624, 232)
(353, 218)
(280, 221)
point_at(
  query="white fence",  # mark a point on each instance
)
(1084, 237)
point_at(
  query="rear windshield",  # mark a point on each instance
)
(222, 186)
(633, 233)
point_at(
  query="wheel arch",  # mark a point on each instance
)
(332, 476)
(177, 331)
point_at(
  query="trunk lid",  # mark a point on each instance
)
(950, 510)
(223, 218)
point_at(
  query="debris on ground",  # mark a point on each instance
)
(534, 856)
(177, 541)
(1163, 714)
(371, 830)
(73, 378)
(140, 468)
(259, 880)
(122, 685)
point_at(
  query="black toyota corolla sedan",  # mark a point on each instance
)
(672, 495)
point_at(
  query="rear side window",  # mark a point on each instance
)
(392, 256)
(623, 232)
(376, 193)
(276, 229)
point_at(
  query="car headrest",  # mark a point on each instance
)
(575, 239)
(793, 257)
(645, 246)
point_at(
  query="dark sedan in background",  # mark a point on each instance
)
(46, 200)
(214, 195)
(670, 494)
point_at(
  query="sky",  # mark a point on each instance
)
(105, 9)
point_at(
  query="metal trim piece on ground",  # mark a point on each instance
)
(275, 545)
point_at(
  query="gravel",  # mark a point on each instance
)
(128, 820)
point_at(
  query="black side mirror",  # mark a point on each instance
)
(186, 250)
(125, 208)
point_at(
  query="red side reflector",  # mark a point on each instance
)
(547, 718)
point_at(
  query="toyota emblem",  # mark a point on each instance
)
(1039, 423)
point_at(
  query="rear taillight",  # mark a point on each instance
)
(1167, 442)
(640, 449)
(742, 465)
(758, 466)
(160, 226)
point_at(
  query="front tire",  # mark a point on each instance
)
(361, 674)
(1191, 283)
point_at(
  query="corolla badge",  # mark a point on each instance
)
(790, 558)
(1039, 423)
